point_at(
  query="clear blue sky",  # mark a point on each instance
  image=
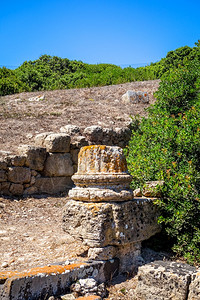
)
(119, 32)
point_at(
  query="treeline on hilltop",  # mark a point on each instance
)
(52, 72)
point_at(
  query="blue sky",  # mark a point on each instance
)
(120, 32)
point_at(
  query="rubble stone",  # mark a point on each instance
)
(18, 160)
(35, 156)
(70, 129)
(57, 143)
(94, 134)
(152, 188)
(16, 189)
(135, 97)
(19, 175)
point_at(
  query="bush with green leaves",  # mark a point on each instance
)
(166, 146)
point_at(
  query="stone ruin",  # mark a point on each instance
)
(47, 166)
(112, 222)
(102, 211)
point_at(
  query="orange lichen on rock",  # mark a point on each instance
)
(91, 297)
(101, 159)
(46, 270)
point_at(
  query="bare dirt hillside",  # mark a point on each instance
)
(21, 117)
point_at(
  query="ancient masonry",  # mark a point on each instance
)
(47, 166)
(104, 214)
(102, 211)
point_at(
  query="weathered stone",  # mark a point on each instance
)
(121, 136)
(137, 193)
(108, 134)
(5, 188)
(74, 153)
(135, 97)
(18, 160)
(3, 176)
(163, 280)
(70, 129)
(111, 224)
(3, 163)
(129, 256)
(194, 289)
(52, 185)
(16, 189)
(57, 142)
(104, 253)
(43, 282)
(34, 173)
(58, 164)
(78, 142)
(19, 175)
(39, 138)
(31, 190)
(152, 188)
(89, 286)
(35, 156)
(102, 175)
(94, 134)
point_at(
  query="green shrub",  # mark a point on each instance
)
(166, 146)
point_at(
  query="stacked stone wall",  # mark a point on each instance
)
(47, 166)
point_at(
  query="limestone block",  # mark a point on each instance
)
(18, 160)
(135, 97)
(104, 253)
(16, 189)
(3, 176)
(78, 142)
(58, 164)
(39, 138)
(51, 185)
(111, 223)
(5, 188)
(94, 134)
(35, 156)
(152, 188)
(19, 175)
(163, 280)
(70, 129)
(194, 290)
(57, 142)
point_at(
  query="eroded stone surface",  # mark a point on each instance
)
(19, 175)
(164, 280)
(194, 290)
(58, 164)
(109, 224)
(57, 142)
(102, 175)
(35, 156)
